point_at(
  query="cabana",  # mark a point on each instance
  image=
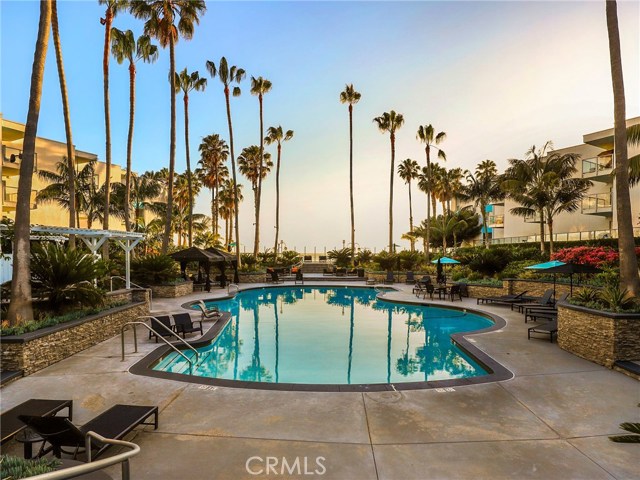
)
(205, 259)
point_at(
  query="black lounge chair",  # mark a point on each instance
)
(114, 423)
(455, 291)
(184, 324)
(549, 308)
(540, 315)
(410, 278)
(158, 325)
(545, 300)
(549, 328)
(299, 277)
(504, 299)
(390, 279)
(208, 313)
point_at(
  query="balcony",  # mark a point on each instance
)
(532, 218)
(599, 169)
(495, 221)
(11, 160)
(10, 198)
(598, 204)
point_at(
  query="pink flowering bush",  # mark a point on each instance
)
(595, 256)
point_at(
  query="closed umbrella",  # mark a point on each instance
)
(443, 261)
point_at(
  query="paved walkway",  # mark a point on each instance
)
(551, 421)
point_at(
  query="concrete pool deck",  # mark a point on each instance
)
(551, 420)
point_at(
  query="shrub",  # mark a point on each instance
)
(595, 256)
(489, 261)
(515, 269)
(387, 261)
(616, 299)
(154, 269)
(585, 296)
(341, 257)
(364, 256)
(16, 467)
(409, 260)
(459, 272)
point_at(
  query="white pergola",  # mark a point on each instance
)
(94, 239)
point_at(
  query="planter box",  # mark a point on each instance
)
(476, 291)
(172, 291)
(251, 277)
(601, 337)
(536, 288)
(34, 351)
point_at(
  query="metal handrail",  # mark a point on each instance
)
(234, 286)
(90, 466)
(135, 285)
(135, 341)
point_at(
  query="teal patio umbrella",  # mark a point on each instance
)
(547, 266)
(444, 261)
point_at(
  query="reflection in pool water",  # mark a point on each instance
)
(333, 335)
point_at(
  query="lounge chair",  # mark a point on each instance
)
(419, 288)
(159, 326)
(504, 299)
(544, 300)
(390, 279)
(540, 315)
(299, 277)
(550, 307)
(455, 292)
(184, 324)
(549, 328)
(114, 423)
(208, 313)
(275, 278)
(410, 278)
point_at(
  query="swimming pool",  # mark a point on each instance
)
(332, 335)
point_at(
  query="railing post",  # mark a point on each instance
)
(125, 470)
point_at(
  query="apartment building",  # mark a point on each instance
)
(596, 217)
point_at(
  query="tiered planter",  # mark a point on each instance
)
(172, 291)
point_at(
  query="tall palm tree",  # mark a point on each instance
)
(409, 170)
(113, 7)
(145, 189)
(187, 82)
(254, 167)
(629, 278)
(277, 135)
(483, 188)
(20, 307)
(426, 134)
(227, 200)
(350, 96)
(436, 182)
(167, 20)
(227, 76)
(213, 154)
(71, 152)
(390, 122)
(259, 86)
(125, 47)
(451, 187)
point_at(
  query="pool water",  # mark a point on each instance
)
(332, 335)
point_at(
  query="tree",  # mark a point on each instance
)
(228, 75)
(409, 170)
(447, 226)
(125, 47)
(227, 195)
(351, 96)
(629, 278)
(426, 134)
(213, 154)
(255, 167)
(187, 82)
(161, 16)
(390, 122)
(144, 189)
(71, 152)
(482, 189)
(277, 135)
(20, 307)
(259, 86)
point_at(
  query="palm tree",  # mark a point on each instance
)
(213, 154)
(227, 198)
(71, 153)
(426, 134)
(161, 16)
(277, 135)
(350, 96)
(20, 307)
(259, 86)
(125, 47)
(409, 170)
(390, 122)
(255, 169)
(188, 82)
(629, 278)
(227, 76)
(483, 188)
(451, 187)
(447, 226)
(435, 183)
(145, 188)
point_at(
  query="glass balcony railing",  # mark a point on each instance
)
(597, 167)
(532, 218)
(597, 204)
(10, 198)
(495, 221)
(12, 158)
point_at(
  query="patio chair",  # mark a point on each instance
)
(419, 288)
(549, 328)
(429, 289)
(114, 423)
(541, 315)
(464, 290)
(410, 278)
(158, 325)
(275, 278)
(528, 307)
(390, 279)
(504, 299)
(208, 313)
(544, 300)
(184, 324)
(455, 292)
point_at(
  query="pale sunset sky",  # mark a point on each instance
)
(497, 77)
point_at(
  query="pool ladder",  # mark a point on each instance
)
(173, 347)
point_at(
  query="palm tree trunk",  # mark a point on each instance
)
(485, 232)
(236, 206)
(428, 233)
(20, 307)
(275, 248)
(213, 212)
(541, 232)
(550, 225)
(353, 223)
(256, 241)
(71, 154)
(188, 158)
(393, 157)
(628, 265)
(127, 181)
(107, 124)
(172, 147)
(413, 240)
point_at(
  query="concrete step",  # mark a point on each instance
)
(315, 267)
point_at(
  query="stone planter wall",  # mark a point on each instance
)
(119, 296)
(601, 337)
(252, 277)
(535, 288)
(172, 291)
(34, 351)
(476, 291)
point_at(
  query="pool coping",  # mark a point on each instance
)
(497, 372)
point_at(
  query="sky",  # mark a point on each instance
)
(497, 77)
